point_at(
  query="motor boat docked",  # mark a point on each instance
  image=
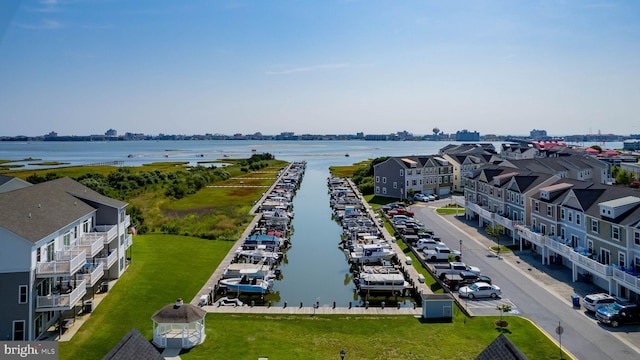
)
(380, 281)
(258, 255)
(247, 285)
(271, 242)
(370, 253)
(253, 271)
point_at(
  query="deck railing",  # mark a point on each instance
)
(111, 232)
(61, 301)
(66, 262)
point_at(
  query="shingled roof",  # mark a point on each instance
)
(133, 346)
(37, 211)
(501, 349)
(178, 313)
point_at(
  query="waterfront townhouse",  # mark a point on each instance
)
(60, 242)
(398, 177)
(465, 159)
(613, 238)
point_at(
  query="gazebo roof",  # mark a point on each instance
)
(178, 314)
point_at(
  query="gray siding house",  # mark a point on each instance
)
(58, 240)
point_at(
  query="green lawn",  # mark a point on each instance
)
(250, 336)
(163, 268)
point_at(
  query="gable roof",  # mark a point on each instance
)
(36, 211)
(501, 349)
(133, 346)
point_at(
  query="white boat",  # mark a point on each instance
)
(246, 285)
(390, 279)
(370, 253)
(259, 255)
(258, 271)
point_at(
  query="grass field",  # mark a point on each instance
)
(163, 268)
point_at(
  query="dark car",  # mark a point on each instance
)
(617, 314)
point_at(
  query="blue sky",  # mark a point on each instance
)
(332, 66)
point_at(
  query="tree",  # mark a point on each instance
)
(494, 231)
(503, 309)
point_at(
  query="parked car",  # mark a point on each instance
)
(593, 302)
(479, 289)
(617, 314)
(431, 198)
(420, 197)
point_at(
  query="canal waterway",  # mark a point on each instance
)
(314, 269)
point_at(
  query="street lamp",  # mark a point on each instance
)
(342, 354)
(460, 247)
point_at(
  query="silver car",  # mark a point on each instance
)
(479, 289)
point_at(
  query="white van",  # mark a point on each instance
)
(407, 260)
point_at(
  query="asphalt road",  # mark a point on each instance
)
(582, 336)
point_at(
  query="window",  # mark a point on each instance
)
(409, 172)
(23, 291)
(578, 219)
(377, 189)
(384, 179)
(414, 182)
(636, 237)
(395, 184)
(377, 179)
(66, 239)
(401, 172)
(595, 226)
(384, 190)
(549, 210)
(562, 233)
(621, 258)
(536, 206)
(85, 226)
(18, 330)
(590, 246)
(615, 232)
(570, 216)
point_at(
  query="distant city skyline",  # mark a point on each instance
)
(329, 67)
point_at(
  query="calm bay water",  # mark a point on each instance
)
(315, 269)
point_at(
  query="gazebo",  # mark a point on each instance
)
(178, 325)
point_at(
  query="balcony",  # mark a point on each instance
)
(128, 241)
(506, 222)
(91, 274)
(530, 235)
(481, 211)
(593, 266)
(630, 280)
(91, 243)
(65, 263)
(460, 201)
(111, 232)
(127, 221)
(62, 302)
(108, 261)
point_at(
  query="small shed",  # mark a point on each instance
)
(178, 325)
(437, 306)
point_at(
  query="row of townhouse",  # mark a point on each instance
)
(562, 209)
(439, 174)
(399, 177)
(59, 242)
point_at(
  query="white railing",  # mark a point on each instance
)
(589, 264)
(61, 301)
(460, 200)
(110, 230)
(66, 262)
(128, 241)
(559, 248)
(629, 280)
(109, 260)
(91, 243)
(525, 233)
(506, 222)
(127, 221)
(91, 278)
